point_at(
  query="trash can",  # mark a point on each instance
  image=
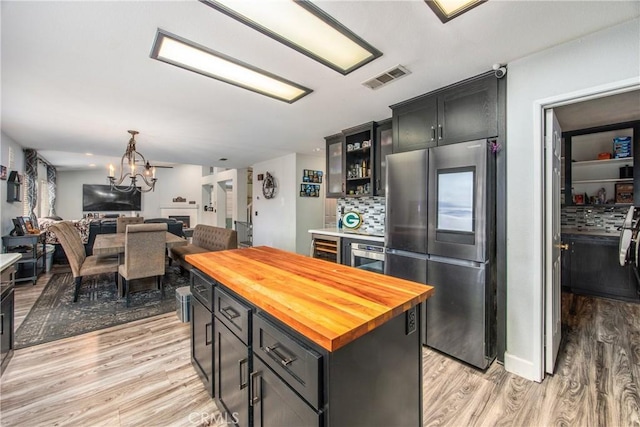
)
(47, 258)
(183, 303)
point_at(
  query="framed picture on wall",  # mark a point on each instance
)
(3, 173)
(309, 190)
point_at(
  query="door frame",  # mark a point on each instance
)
(539, 109)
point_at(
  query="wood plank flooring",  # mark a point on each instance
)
(140, 374)
(596, 382)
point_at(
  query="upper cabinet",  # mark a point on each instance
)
(335, 170)
(463, 112)
(359, 142)
(384, 146)
(601, 164)
(356, 160)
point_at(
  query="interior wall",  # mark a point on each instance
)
(274, 220)
(9, 210)
(180, 181)
(215, 195)
(595, 60)
(309, 210)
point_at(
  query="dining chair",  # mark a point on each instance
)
(144, 255)
(81, 264)
(123, 221)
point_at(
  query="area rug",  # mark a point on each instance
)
(55, 316)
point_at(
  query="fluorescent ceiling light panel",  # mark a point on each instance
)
(304, 27)
(449, 9)
(186, 54)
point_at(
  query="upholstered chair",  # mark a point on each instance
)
(123, 221)
(144, 254)
(81, 264)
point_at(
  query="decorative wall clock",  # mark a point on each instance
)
(268, 186)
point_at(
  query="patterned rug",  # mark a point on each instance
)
(55, 316)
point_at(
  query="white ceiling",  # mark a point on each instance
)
(620, 108)
(77, 75)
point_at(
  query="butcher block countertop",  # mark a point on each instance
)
(330, 304)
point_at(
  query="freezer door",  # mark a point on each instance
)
(461, 198)
(406, 266)
(457, 314)
(406, 201)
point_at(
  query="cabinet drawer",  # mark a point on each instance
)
(297, 364)
(275, 404)
(6, 275)
(233, 313)
(202, 288)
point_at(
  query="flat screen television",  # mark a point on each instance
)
(100, 198)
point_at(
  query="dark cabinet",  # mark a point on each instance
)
(356, 160)
(359, 142)
(462, 112)
(415, 124)
(335, 168)
(384, 146)
(268, 374)
(202, 332)
(594, 268)
(275, 404)
(202, 343)
(6, 317)
(232, 367)
(468, 111)
(233, 357)
(286, 379)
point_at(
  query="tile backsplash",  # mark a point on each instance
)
(605, 218)
(372, 210)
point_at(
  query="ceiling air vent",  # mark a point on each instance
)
(387, 77)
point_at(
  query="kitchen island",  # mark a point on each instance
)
(7, 283)
(300, 341)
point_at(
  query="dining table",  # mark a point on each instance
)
(113, 244)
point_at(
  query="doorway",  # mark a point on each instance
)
(227, 203)
(595, 110)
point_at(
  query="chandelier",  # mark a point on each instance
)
(134, 166)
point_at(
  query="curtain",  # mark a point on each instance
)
(31, 166)
(51, 184)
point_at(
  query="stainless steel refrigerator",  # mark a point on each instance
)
(440, 230)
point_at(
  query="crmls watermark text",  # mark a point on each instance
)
(207, 419)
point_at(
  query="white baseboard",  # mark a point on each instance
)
(521, 367)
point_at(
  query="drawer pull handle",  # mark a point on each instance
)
(229, 313)
(207, 334)
(243, 383)
(278, 356)
(255, 388)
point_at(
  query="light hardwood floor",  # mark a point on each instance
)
(140, 374)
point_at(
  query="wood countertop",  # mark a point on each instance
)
(330, 304)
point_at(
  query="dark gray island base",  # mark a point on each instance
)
(267, 372)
